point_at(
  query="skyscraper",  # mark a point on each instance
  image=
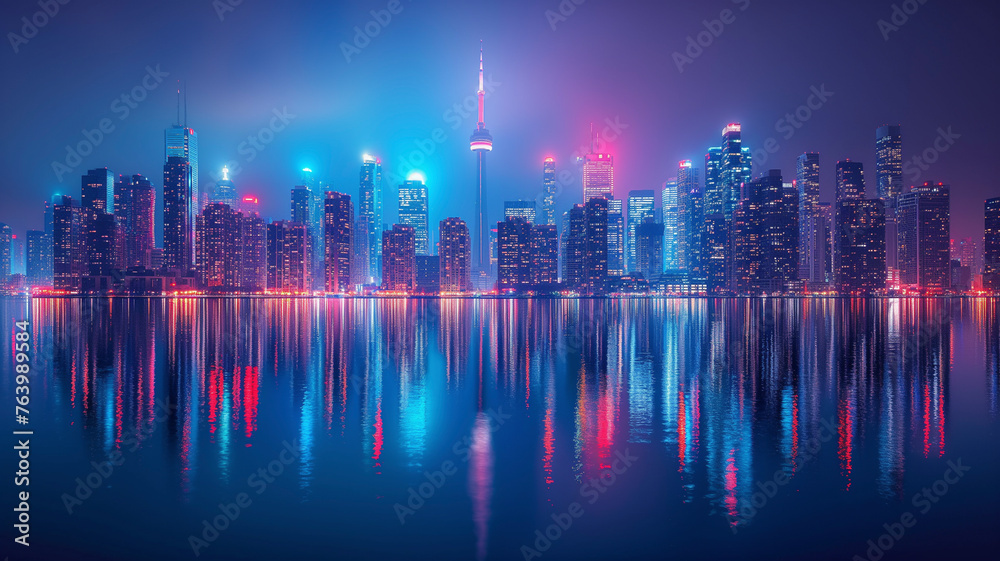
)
(616, 238)
(6, 247)
(991, 246)
(548, 191)
(288, 264)
(38, 256)
(734, 167)
(455, 251)
(859, 255)
(641, 205)
(713, 195)
(370, 217)
(428, 275)
(480, 143)
(68, 251)
(524, 209)
(649, 249)
(924, 219)
(182, 142)
(850, 180)
(338, 222)
(598, 173)
(225, 191)
(807, 183)
(575, 248)
(399, 259)
(139, 208)
(544, 255)
(178, 221)
(889, 161)
(690, 215)
(595, 257)
(97, 190)
(514, 252)
(765, 236)
(217, 249)
(671, 225)
(414, 212)
(253, 233)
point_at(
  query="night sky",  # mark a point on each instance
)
(605, 61)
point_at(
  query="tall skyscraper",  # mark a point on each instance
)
(253, 233)
(807, 183)
(598, 172)
(481, 143)
(548, 191)
(924, 218)
(889, 181)
(641, 205)
(97, 190)
(765, 236)
(38, 257)
(455, 251)
(138, 209)
(991, 246)
(595, 257)
(690, 216)
(178, 221)
(6, 248)
(100, 234)
(524, 209)
(670, 205)
(544, 255)
(734, 167)
(225, 191)
(850, 180)
(414, 212)
(575, 248)
(713, 196)
(68, 250)
(649, 249)
(338, 223)
(399, 267)
(616, 238)
(370, 217)
(514, 252)
(288, 265)
(218, 251)
(182, 142)
(859, 254)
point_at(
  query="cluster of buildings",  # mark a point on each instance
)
(716, 230)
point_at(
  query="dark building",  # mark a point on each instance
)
(595, 257)
(514, 253)
(859, 257)
(96, 190)
(649, 249)
(991, 247)
(428, 274)
(178, 237)
(100, 233)
(765, 236)
(544, 255)
(337, 224)
(39, 258)
(6, 250)
(455, 251)
(574, 247)
(889, 181)
(136, 203)
(850, 181)
(807, 182)
(399, 259)
(68, 249)
(715, 247)
(924, 220)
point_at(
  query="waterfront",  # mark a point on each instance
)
(763, 428)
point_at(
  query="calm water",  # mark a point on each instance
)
(689, 429)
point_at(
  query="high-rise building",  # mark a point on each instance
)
(734, 167)
(68, 249)
(6, 248)
(481, 142)
(924, 220)
(616, 238)
(713, 196)
(304, 212)
(524, 209)
(225, 191)
(991, 246)
(850, 181)
(715, 247)
(818, 269)
(218, 249)
(100, 233)
(17, 255)
(338, 223)
(575, 248)
(38, 254)
(428, 276)
(455, 251)
(414, 212)
(178, 221)
(649, 249)
(97, 190)
(859, 255)
(138, 207)
(544, 255)
(889, 181)
(370, 218)
(641, 205)
(690, 215)
(253, 233)
(548, 191)
(514, 252)
(250, 205)
(399, 259)
(598, 173)
(595, 257)
(288, 265)
(765, 236)
(807, 183)
(670, 204)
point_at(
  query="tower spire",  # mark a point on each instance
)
(481, 92)
(178, 103)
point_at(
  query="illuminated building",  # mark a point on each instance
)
(428, 277)
(595, 257)
(38, 257)
(370, 218)
(765, 236)
(616, 238)
(6, 246)
(734, 167)
(217, 249)
(97, 190)
(859, 255)
(225, 191)
(414, 212)
(455, 250)
(250, 205)
(138, 209)
(574, 247)
(178, 221)
(598, 173)
(649, 249)
(399, 259)
(100, 232)
(991, 246)
(253, 243)
(807, 183)
(641, 205)
(889, 181)
(544, 255)
(524, 209)
(671, 225)
(338, 221)
(850, 181)
(690, 216)
(924, 220)
(514, 253)
(288, 264)
(548, 191)
(481, 143)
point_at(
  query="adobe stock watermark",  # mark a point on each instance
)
(563, 11)
(223, 7)
(102, 471)
(920, 163)
(122, 106)
(788, 125)
(365, 34)
(696, 44)
(229, 512)
(418, 496)
(922, 503)
(256, 143)
(592, 491)
(768, 489)
(899, 17)
(31, 25)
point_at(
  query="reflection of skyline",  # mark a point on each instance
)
(725, 387)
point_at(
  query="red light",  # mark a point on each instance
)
(549, 160)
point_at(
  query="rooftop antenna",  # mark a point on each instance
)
(185, 104)
(593, 142)
(178, 102)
